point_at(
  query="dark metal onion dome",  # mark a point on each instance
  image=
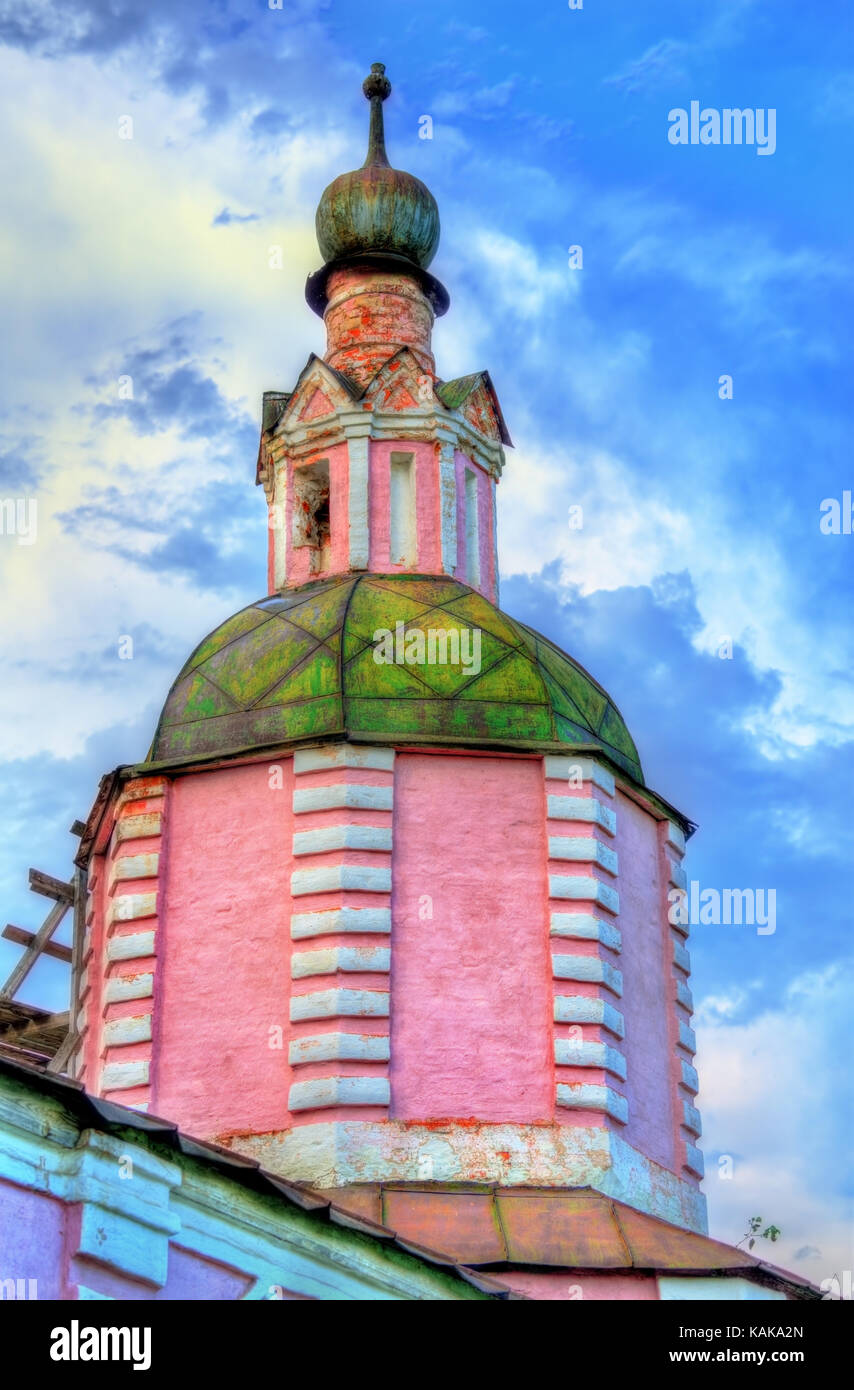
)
(377, 208)
(377, 213)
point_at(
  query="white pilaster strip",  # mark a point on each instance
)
(448, 506)
(358, 500)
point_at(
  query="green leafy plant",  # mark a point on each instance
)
(754, 1232)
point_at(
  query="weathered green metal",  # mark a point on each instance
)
(377, 209)
(301, 666)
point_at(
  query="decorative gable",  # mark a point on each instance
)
(474, 397)
(400, 384)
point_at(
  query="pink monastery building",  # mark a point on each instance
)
(383, 914)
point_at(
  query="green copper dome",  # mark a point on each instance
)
(302, 666)
(377, 210)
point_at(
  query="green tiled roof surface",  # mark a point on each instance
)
(300, 666)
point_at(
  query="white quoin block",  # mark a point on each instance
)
(122, 1076)
(583, 849)
(122, 1031)
(335, 958)
(577, 1008)
(569, 1053)
(603, 1098)
(694, 1160)
(129, 866)
(690, 1079)
(691, 1118)
(139, 827)
(580, 888)
(343, 755)
(580, 808)
(687, 1037)
(352, 795)
(565, 766)
(134, 947)
(340, 1003)
(589, 969)
(130, 906)
(341, 919)
(681, 957)
(684, 996)
(675, 836)
(338, 1090)
(333, 837)
(130, 987)
(678, 876)
(340, 877)
(339, 1047)
(583, 926)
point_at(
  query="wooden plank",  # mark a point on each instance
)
(34, 950)
(51, 887)
(67, 1049)
(26, 938)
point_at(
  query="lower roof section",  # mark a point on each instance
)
(501, 1228)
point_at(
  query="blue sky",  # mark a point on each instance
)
(149, 257)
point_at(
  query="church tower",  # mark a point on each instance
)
(388, 899)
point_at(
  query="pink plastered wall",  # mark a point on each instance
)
(32, 1239)
(429, 557)
(471, 983)
(223, 953)
(646, 1004)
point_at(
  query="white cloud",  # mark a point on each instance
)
(776, 1096)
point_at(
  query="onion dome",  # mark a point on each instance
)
(377, 214)
(301, 666)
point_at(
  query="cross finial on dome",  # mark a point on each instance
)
(377, 88)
